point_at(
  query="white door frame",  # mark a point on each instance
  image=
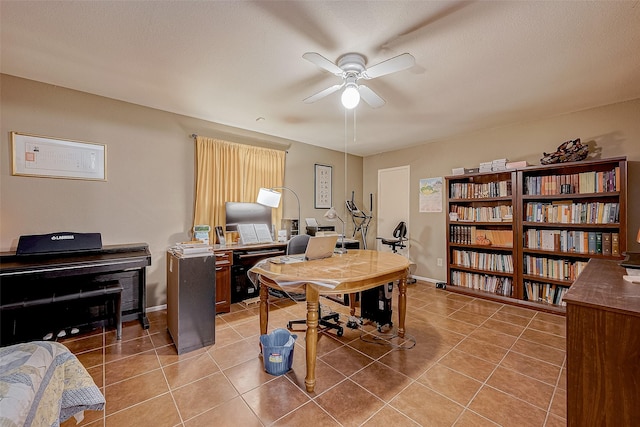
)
(393, 203)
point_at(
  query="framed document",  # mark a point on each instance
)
(57, 158)
(323, 186)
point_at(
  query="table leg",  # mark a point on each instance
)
(264, 310)
(402, 305)
(313, 298)
(352, 304)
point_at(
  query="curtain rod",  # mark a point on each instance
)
(195, 135)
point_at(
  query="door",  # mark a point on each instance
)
(393, 202)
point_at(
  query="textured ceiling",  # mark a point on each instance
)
(478, 64)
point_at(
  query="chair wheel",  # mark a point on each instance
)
(340, 332)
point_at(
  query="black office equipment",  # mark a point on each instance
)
(243, 260)
(313, 229)
(246, 213)
(376, 305)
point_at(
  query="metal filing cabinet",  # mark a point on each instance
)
(191, 301)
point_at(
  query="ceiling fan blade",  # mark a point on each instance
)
(322, 93)
(370, 97)
(397, 63)
(323, 62)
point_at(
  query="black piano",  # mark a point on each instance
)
(44, 292)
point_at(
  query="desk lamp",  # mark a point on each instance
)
(271, 198)
(332, 215)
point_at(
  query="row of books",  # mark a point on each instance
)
(468, 235)
(581, 183)
(545, 292)
(550, 268)
(483, 260)
(495, 284)
(470, 190)
(573, 213)
(583, 242)
(483, 214)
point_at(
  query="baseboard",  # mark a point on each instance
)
(156, 308)
(426, 279)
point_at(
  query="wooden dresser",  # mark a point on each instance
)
(603, 347)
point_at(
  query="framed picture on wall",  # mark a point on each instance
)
(323, 186)
(49, 157)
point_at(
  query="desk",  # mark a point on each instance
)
(232, 263)
(355, 271)
(603, 347)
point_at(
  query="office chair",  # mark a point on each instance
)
(400, 237)
(298, 245)
(400, 234)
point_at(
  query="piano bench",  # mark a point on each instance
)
(106, 289)
(115, 288)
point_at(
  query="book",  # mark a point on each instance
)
(598, 243)
(592, 242)
(606, 243)
(615, 244)
(254, 233)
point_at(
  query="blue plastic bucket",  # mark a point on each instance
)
(277, 351)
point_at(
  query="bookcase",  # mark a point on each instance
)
(481, 208)
(561, 216)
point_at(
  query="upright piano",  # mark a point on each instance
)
(44, 292)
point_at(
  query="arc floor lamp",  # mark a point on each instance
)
(270, 197)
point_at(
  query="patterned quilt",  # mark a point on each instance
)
(43, 384)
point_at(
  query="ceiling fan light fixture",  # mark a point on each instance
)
(350, 96)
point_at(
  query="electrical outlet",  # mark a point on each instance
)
(439, 262)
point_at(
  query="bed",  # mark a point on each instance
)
(43, 384)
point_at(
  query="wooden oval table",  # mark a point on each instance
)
(354, 271)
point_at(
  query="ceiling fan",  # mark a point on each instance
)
(351, 67)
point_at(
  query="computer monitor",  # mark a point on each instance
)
(246, 213)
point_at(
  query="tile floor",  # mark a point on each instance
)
(474, 363)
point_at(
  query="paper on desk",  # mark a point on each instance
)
(633, 271)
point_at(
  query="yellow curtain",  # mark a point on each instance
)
(230, 172)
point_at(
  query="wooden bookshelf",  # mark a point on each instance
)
(483, 207)
(563, 215)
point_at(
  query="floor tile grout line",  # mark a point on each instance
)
(494, 370)
(313, 398)
(171, 390)
(553, 395)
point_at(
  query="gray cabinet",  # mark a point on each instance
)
(191, 301)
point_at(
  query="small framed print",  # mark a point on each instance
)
(323, 186)
(49, 157)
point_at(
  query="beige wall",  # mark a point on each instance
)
(611, 131)
(148, 196)
(149, 193)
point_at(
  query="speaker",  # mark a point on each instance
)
(64, 241)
